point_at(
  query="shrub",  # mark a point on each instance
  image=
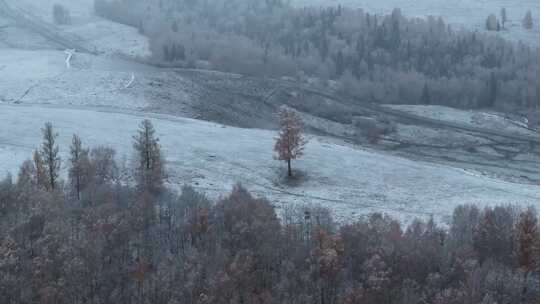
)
(372, 129)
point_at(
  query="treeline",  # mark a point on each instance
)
(389, 59)
(96, 238)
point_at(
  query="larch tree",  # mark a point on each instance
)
(27, 175)
(527, 238)
(527, 245)
(50, 155)
(504, 16)
(78, 166)
(528, 22)
(492, 23)
(40, 177)
(426, 96)
(290, 143)
(149, 170)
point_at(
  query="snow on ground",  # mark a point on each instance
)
(94, 32)
(43, 77)
(469, 13)
(213, 157)
(421, 135)
(493, 121)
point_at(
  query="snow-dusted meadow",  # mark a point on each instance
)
(212, 157)
(95, 33)
(470, 14)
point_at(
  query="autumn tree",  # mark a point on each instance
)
(26, 177)
(40, 176)
(290, 142)
(527, 245)
(78, 166)
(149, 170)
(527, 238)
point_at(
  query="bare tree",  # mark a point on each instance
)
(290, 142)
(149, 160)
(49, 153)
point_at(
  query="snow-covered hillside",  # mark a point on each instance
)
(213, 157)
(95, 33)
(43, 77)
(471, 14)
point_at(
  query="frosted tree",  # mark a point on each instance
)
(26, 177)
(78, 166)
(149, 171)
(426, 96)
(290, 142)
(492, 23)
(40, 175)
(504, 17)
(528, 22)
(527, 245)
(50, 155)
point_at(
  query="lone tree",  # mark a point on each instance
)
(149, 170)
(291, 142)
(79, 163)
(50, 156)
(528, 22)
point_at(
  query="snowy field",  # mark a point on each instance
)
(471, 14)
(213, 157)
(471, 118)
(43, 77)
(95, 33)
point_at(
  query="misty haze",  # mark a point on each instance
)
(269, 151)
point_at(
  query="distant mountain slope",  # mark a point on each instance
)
(471, 14)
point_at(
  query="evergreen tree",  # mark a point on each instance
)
(41, 179)
(426, 96)
(150, 168)
(504, 17)
(340, 64)
(528, 22)
(79, 163)
(492, 23)
(50, 155)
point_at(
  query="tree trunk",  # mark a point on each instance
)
(524, 289)
(289, 168)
